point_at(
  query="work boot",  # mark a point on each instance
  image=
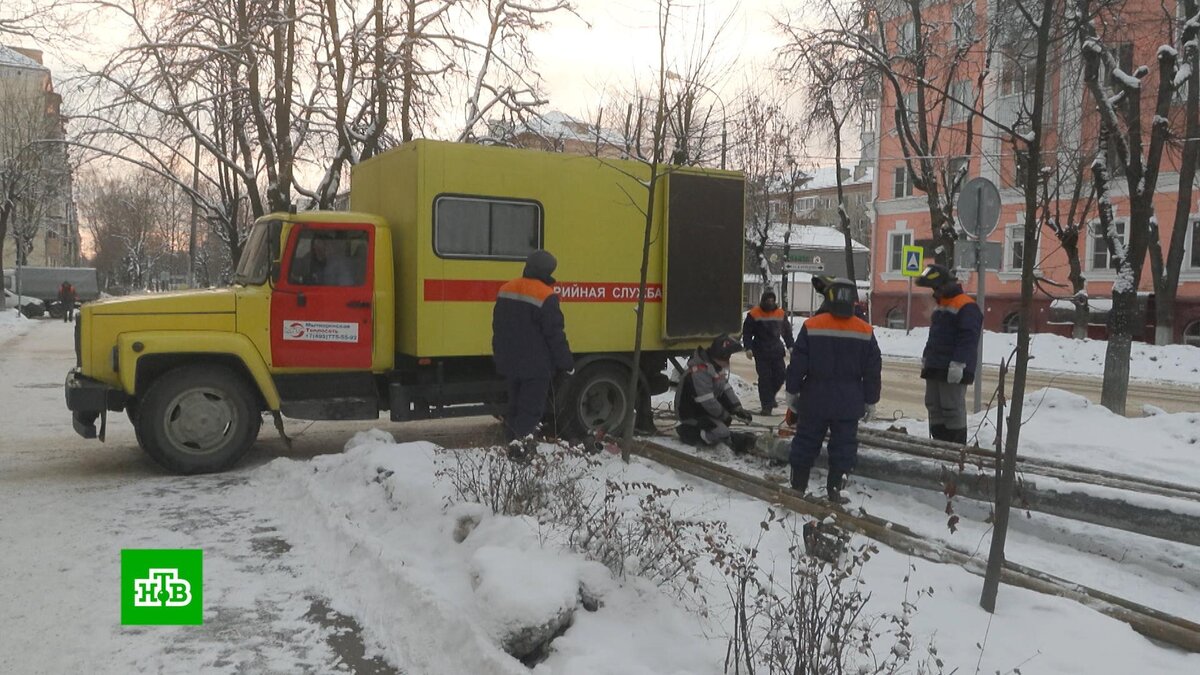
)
(768, 410)
(833, 487)
(800, 479)
(957, 436)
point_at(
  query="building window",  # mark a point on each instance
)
(1191, 334)
(1012, 323)
(1020, 167)
(1124, 54)
(906, 39)
(896, 243)
(964, 24)
(861, 198)
(961, 101)
(896, 319)
(1101, 258)
(467, 227)
(910, 108)
(1193, 249)
(903, 186)
(1017, 73)
(1014, 248)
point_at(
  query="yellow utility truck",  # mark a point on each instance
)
(339, 315)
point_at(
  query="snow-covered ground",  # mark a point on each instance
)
(1062, 426)
(12, 323)
(1166, 363)
(374, 545)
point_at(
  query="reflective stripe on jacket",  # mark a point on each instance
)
(705, 390)
(836, 367)
(767, 333)
(529, 339)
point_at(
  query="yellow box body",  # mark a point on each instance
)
(593, 222)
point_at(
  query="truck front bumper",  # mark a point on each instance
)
(88, 399)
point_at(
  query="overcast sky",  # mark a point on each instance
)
(577, 62)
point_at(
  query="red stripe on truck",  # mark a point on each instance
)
(466, 290)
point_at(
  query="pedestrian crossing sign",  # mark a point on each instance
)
(914, 261)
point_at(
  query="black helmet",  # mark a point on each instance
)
(935, 276)
(820, 283)
(841, 295)
(722, 348)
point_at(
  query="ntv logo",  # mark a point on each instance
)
(163, 588)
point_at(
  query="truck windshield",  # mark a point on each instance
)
(255, 264)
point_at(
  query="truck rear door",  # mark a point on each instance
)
(321, 310)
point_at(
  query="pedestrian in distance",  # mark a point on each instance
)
(948, 362)
(66, 300)
(530, 348)
(833, 382)
(767, 336)
(705, 402)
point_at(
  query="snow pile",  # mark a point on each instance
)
(1065, 427)
(439, 584)
(382, 528)
(1169, 363)
(12, 323)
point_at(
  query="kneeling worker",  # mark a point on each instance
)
(834, 379)
(705, 402)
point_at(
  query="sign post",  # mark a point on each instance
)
(914, 259)
(978, 212)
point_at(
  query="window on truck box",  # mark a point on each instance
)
(479, 227)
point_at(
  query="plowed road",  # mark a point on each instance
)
(904, 391)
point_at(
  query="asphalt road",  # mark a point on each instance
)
(904, 391)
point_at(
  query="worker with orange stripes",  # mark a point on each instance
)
(948, 362)
(766, 336)
(529, 344)
(833, 381)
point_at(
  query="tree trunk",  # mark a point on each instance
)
(1032, 180)
(1116, 357)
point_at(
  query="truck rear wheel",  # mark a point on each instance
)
(596, 400)
(197, 419)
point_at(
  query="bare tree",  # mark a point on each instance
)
(1038, 17)
(764, 140)
(1185, 89)
(500, 64)
(925, 67)
(134, 221)
(1139, 141)
(837, 83)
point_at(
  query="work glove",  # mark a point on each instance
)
(743, 415)
(870, 414)
(727, 419)
(954, 374)
(749, 354)
(789, 418)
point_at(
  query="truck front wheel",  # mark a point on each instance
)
(197, 419)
